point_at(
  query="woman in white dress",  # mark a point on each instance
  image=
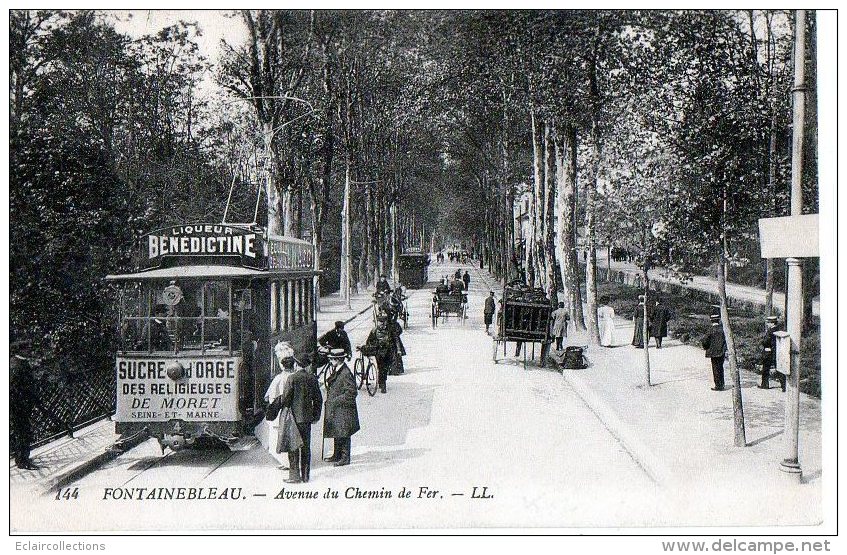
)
(606, 315)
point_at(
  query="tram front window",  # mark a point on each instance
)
(177, 316)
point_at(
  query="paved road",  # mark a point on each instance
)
(453, 422)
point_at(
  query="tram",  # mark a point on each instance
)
(199, 318)
(413, 268)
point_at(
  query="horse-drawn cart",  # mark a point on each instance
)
(524, 318)
(446, 304)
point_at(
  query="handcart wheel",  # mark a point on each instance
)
(494, 345)
(359, 373)
(434, 316)
(371, 379)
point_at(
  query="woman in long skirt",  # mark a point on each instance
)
(638, 319)
(607, 325)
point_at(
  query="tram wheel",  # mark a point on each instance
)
(371, 379)
(359, 373)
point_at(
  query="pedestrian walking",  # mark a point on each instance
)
(606, 316)
(284, 354)
(715, 346)
(458, 275)
(489, 310)
(382, 345)
(341, 416)
(559, 319)
(659, 322)
(23, 392)
(638, 319)
(466, 278)
(769, 354)
(398, 347)
(301, 395)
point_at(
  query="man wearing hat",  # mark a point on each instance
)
(382, 343)
(341, 417)
(336, 338)
(715, 346)
(302, 395)
(382, 286)
(659, 322)
(489, 310)
(22, 395)
(769, 354)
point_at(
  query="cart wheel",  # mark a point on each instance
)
(434, 316)
(359, 373)
(494, 345)
(370, 379)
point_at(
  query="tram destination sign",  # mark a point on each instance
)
(290, 254)
(203, 241)
(205, 389)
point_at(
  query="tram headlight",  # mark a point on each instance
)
(175, 370)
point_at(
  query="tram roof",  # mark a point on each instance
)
(198, 271)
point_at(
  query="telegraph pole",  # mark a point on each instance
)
(794, 294)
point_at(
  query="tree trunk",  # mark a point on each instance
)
(532, 242)
(550, 214)
(734, 375)
(566, 232)
(274, 202)
(645, 330)
(591, 237)
(346, 262)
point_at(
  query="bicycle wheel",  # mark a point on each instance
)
(359, 372)
(323, 375)
(371, 378)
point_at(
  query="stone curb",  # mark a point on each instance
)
(90, 463)
(628, 438)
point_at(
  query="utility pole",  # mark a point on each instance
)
(794, 293)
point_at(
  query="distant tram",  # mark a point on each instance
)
(413, 268)
(198, 322)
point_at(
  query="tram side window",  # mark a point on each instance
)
(133, 318)
(275, 307)
(307, 301)
(283, 305)
(291, 322)
(298, 305)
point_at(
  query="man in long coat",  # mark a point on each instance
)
(489, 310)
(341, 417)
(382, 343)
(302, 394)
(23, 392)
(659, 322)
(715, 346)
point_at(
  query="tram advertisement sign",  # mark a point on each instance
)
(204, 240)
(193, 389)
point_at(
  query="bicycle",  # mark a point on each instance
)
(323, 371)
(365, 372)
